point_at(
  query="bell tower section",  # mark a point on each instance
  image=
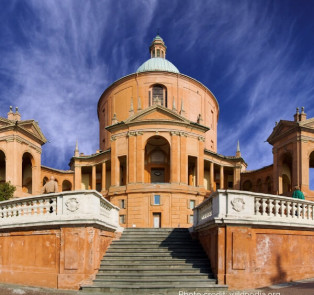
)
(20, 153)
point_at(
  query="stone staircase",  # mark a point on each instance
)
(154, 261)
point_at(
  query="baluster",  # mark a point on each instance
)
(263, 206)
(257, 206)
(298, 211)
(282, 208)
(277, 208)
(270, 207)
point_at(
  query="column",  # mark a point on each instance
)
(175, 158)
(236, 177)
(139, 158)
(222, 180)
(211, 172)
(103, 176)
(200, 164)
(114, 163)
(77, 177)
(94, 177)
(132, 157)
(183, 159)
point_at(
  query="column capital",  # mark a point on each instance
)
(201, 138)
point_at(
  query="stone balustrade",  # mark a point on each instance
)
(231, 206)
(70, 208)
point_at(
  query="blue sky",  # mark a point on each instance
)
(58, 56)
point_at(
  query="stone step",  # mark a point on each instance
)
(157, 261)
(153, 289)
(155, 244)
(139, 259)
(156, 251)
(141, 277)
(156, 231)
(156, 265)
(154, 271)
(156, 281)
(165, 255)
(154, 262)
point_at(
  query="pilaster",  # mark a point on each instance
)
(175, 157)
(94, 177)
(200, 164)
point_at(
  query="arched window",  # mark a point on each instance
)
(45, 179)
(268, 185)
(2, 167)
(158, 95)
(259, 186)
(247, 186)
(66, 186)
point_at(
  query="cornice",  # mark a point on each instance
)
(19, 139)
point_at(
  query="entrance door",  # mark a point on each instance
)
(157, 218)
(157, 175)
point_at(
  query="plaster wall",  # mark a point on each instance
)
(245, 257)
(134, 89)
(61, 258)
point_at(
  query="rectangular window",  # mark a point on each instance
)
(122, 204)
(122, 219)
(156, 199)
(192, 204)
(190, 219)
(158, 52)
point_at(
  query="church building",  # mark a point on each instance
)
(157, 156)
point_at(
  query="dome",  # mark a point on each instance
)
(157, 64)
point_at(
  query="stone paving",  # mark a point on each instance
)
(303, 287)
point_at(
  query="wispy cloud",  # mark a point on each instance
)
(57, 57)
(64, 65)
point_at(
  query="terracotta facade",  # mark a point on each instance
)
(157, 156)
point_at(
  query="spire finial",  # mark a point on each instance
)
(76, 151)
(238, 153)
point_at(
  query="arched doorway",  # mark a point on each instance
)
(157, 160)
(2, 167)
(27, 173)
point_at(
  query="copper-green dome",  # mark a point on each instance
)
(157, 64)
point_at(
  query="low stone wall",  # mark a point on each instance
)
(55, 240)
(255, 240)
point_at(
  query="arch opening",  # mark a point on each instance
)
(2, 167)
(247, 185)
(286, 173)
(27, 173)
(66, 186)
(157, 160)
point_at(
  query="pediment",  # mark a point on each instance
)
(156, 114)
(308, 123)
(282, 128)
(33, 128)
(4, 123)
